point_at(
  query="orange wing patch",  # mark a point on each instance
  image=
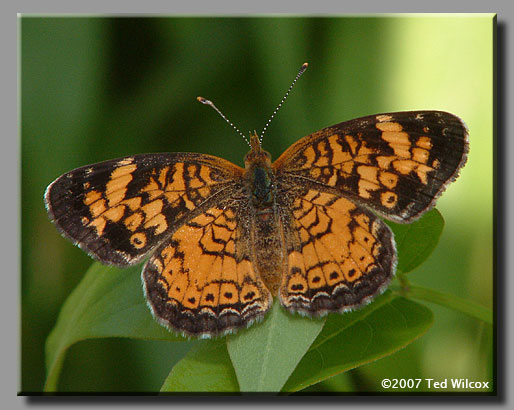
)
(343, 255)
(201, 282)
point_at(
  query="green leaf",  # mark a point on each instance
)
(108, 302)
(336, 323)
(416, 241)
(382, 331)
(206, 368)
(265, 355)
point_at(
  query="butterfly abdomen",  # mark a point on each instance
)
(268, 247)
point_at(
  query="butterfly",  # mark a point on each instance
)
(222, 241)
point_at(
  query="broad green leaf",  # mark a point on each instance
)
(383, 331)
(416, 241)
(336, 323)
(208, 357)
(108, 302)
(265, 355)
(206, 368)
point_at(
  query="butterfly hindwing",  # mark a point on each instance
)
(203, 281)
(338, 254)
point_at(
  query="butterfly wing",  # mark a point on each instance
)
(338, 254)
(398, 163)
(202, 281)
(119, 210)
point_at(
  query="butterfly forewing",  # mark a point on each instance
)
(396, 163)
(119, 210)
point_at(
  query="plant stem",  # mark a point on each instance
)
(449, 301)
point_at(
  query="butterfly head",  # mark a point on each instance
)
(257, 156)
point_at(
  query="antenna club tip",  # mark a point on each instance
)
(204, 101)
(305, 65)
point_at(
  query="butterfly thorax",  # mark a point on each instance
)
(259, 175)
(266, 236)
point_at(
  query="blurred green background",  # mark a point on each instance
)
(93, 89)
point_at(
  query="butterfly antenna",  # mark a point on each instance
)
(208, 102)
(302, 70)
